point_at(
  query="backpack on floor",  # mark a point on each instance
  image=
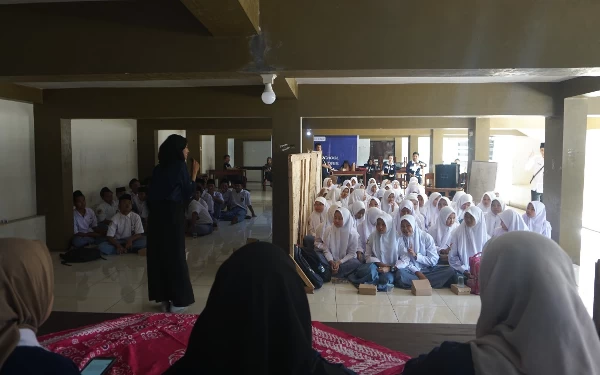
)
(474, 265)
(315, 262)
(80, 255)
(314, 278)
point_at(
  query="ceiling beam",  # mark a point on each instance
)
(20, 93)
(211, 125)
(226, 17)
(384, 124)
(285, 88)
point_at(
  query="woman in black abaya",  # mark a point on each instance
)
(256, 321)
(172, 187)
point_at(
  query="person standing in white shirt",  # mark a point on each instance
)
(125, 233)
(535, 164)
(199, 219)
(107, 209)
(238, 205)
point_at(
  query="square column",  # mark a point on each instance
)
(482, 139)
(437, 148)
(146, 149)
(287, 140)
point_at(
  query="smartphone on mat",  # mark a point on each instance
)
(98, 366)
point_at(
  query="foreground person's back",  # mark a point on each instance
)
(256, 320)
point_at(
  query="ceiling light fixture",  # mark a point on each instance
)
(268, 96)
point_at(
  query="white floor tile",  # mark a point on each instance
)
(366, 314)
(400, 297)
(351, 297)
(323, 295)
(425, 314)
(466, 314)
(323, 312)
(85, 305)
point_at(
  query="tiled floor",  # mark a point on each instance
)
(119, 283)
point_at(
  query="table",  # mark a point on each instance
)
(262, 174)
(217, 175)
(352, 173)
(444, 191)
(410, 338)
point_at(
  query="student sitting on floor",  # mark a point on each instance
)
(85, 226)
(430, 211)
(398, 192)
(142, 196)
(373, 202)
(365, 229)
(239, 204)
(467, 240)
(406, 207)
(535, 218)
(486, 202)
(125, 233)
(388, 203)
(442, 230)
(120, 191)
(419, 257)
(340, 244)
(462, 204)
(217, 197)
(382, 250)
(414, 198)
(27, 285)
(358, 212)
(344, 197)
(134, 186)
(225, 191)
(320, 231)
(106, 209)
(510, 221)
(492, 218)
(534, 323)
(318, 216)
(207, 198)
(198, 218)
(455, 199)
(372, 189)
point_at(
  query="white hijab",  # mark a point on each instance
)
(414, 197)
(385, 246)
(386, 207)
(430, 211)
(536, 224)
(413, 186)
(513, 221)
(408, 204)
(372, 181)
(471, 240)
(358, 195)
(333, 195)
(460, 213)
(492, 221)
(317, 218)
(320, 232)
(325, 181)
(344, 202)
(440, 231)
(413, 241)
(368, 202)
(382, 189)
(336, 238)
(368, 225)
(356, 207)
(397, 191)
(535, 323)
(456, 197)
(483, 208)
(370, 190)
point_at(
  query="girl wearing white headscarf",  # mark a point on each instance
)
(413, 186)
(455, 199)
(464, 202)
(333, 196)
(372, 181)
(358, 212)
(441, 231)
(340, 244)
(535, 218)
(467, 240)
(513, 335)
(372, 189)
(328, 183)
(384, 187)
(419, 257)
(366, 228)
(414, 198)
(486, 201)
(353, 181)
(492, 220)
(358, 195)
(373, 202)
(344, 197)
(320, 231)
(388, 203)
(430, 211)
(318, 216)
(397, 191)
(406, 207)
(510, 221)
(382, 249)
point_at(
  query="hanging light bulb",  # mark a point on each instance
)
(268, 96)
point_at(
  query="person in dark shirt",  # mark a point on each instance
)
(532, 324)
(389, 169)
(268, 168)
(27, 285)
(172, 189)
(414, 168)
(371, 169)
(226, 160)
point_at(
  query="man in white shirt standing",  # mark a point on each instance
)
(238, 204)
(125, 233)
(536, 165)
(107, 209)
(199, 219)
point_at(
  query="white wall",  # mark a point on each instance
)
(255, 155)
(104, 154)
(17, 161)
(208, 153)
(231, 150)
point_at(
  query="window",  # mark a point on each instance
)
(424, 151)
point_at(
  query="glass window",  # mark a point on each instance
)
(424, 152)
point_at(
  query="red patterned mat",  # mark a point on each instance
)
(163, 338)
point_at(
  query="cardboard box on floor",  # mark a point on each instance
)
(461, 291)
(367, 289)
(421, 288)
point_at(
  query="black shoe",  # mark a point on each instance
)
(248, 217)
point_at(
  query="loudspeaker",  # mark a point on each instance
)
(446, 176)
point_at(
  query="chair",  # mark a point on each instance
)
(429, 180)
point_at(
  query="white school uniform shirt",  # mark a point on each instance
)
(367, 227)
(85, 223)
(105, 210)
(440, 232)
(125, 226)
(143, 209)
(340, 244)
(467, 242)
(210, 204)
(203, 214)
(241, 199)
(423, 245)
(534, 165)
(383, 248)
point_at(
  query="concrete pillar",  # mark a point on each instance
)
(287, 139)
(193, 137)
(437, 148)
(553, 172)
(571, 171)
(413, 145)
(471, 143)
(54, 176)
(238, 146)
(398, 149)
(482, 139)
(220, 150)
(146, 149)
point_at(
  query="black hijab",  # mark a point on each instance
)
(257, 319)
(172, 149)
